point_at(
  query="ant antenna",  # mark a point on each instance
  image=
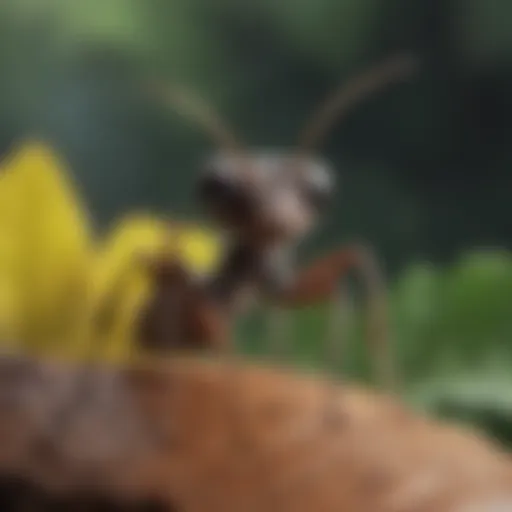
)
(196, 110)
(331, 110)
(342, 99)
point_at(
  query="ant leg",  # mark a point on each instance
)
(319, 283)
(278, 327)
(340, 307)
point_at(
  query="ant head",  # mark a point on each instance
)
(271, 196)
(266, 196)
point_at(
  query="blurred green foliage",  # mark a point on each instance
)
(424, 167)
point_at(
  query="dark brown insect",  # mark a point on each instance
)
(267, 202)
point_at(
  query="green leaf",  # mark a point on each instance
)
(482, 398)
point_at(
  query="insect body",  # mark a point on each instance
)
(267, 205)
(267, 202)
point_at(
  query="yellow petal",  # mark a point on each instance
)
(130, 237)
(120, 341)
(53, 242)
(117, 280)
(201, 249)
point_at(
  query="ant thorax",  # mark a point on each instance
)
(249, 271)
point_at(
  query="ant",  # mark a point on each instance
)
(266, 203)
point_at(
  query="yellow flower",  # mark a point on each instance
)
(120, 282)
(61, 288)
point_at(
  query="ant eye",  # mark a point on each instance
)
(317, 186)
